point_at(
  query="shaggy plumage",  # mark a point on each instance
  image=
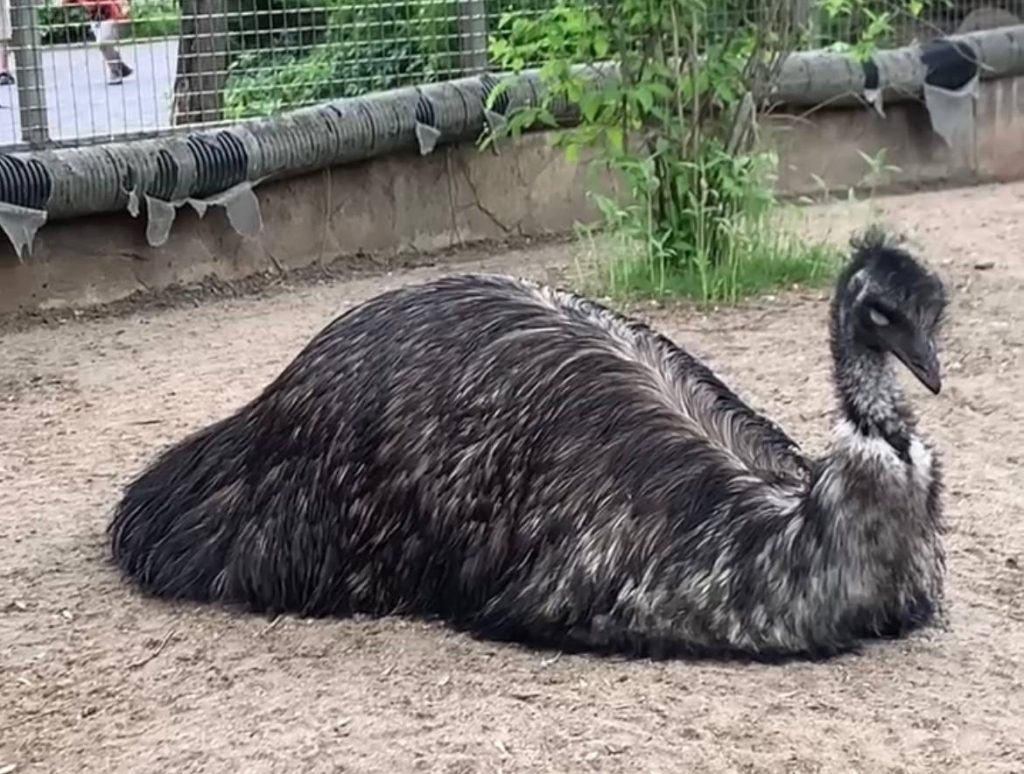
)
(529, 465)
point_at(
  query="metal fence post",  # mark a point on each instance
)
(28, 71)
(473, 36)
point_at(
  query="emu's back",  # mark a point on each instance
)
(475, 447)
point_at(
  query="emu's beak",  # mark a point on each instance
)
(920, 356)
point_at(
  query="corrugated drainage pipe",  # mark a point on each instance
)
(221, 167)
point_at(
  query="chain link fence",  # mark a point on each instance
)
(76, 72)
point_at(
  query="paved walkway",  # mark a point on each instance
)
(81, 104)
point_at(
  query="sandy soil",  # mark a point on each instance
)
(96, 679)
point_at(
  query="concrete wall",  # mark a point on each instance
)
(461, 195)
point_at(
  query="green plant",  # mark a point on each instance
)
(860, 26)
(674, 127)
(62, 24)
(154, 19)
(674, 122)
(363, 46)
(368, 47)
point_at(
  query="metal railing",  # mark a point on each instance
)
(208, 62)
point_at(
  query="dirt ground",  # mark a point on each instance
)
(95, 679)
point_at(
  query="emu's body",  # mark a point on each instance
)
(527, 464)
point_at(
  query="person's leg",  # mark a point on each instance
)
(5, 64)
(5, 41)
(107, 36)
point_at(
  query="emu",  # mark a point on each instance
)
(528, 465)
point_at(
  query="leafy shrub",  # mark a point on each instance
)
(364, 45)
(63, 24)
(695, 211)
(154, 19)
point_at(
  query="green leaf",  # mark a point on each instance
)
(645, 99)
(615, 138)
(546, 117)
(590, 105)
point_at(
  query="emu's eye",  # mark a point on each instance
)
(878, 318)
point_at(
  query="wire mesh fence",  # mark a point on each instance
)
(86, 71)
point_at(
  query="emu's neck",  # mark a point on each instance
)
(870, 397)
(875, 492)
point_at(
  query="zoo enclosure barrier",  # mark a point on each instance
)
(207, 63)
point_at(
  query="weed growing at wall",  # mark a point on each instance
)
(694, 213)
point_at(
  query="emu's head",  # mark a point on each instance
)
(888, 302)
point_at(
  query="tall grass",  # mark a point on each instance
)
(767, 254)
(623, 268)
(727, 237)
